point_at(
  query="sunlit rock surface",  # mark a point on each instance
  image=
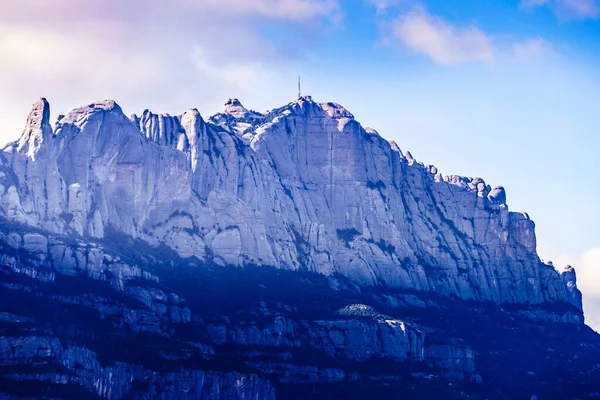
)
(304, 187)
(288, 254)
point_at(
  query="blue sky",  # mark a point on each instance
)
(505, 90)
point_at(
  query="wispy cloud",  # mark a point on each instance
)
(533, 49)
(447, 43)
(383, 5)
(302, 11)
(567, 9)
(60, 57)
(177, 55)
(443, 42)
(242, 75)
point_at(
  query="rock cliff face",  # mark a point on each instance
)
(251, 255)
(65, 353)
(82, 369)
(302, 187)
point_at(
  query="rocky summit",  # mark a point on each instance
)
(290, 254)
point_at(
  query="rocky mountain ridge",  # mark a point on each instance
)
(289, 254)
(301, 187)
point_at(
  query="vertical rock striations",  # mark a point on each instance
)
(303, 187)
(248, 254)
(569, 278)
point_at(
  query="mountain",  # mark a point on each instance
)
(288, 254)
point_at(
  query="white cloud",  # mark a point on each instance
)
(302, 11)
(383, 5)
(449, 44)
(533, 48)
(189, 53)
(243, 76)
(567, 9)
(582, 8)
(441, 41)
(66, 58)
(70, 68)
(588, 273)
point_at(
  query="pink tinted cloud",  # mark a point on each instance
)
(175, 55)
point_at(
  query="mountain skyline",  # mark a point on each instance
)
(512, 102)
(291, 254)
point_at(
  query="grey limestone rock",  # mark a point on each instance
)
(569, 278)
(304, 186)
(118, 381)
(498, 195)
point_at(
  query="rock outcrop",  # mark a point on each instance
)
(247, 255)
(81, 368)
(574, 296)
(132, 300)
(301, 187)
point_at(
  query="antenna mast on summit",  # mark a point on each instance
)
(299, 91)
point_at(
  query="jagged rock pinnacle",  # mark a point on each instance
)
(498, 195)
(126, 222)
(249, 190)
(37, 129)
(569, 277)
(235, 108)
